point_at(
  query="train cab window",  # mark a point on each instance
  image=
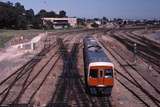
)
(94, 73)
(108, 73)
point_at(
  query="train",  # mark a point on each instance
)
(98, 69)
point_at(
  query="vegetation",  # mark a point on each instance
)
(4, 39)
(6, 35)
(15, 16)
(94, 25)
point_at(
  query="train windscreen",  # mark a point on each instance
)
(94, 73)
(108, 73)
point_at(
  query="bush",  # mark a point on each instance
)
(95, 25)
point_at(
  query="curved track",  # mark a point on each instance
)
(128, 80)
(70, 89)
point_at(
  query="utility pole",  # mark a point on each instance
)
(135, 53)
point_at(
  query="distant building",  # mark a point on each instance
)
(98, 22)
(59, 23)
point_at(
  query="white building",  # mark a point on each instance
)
(98, 22)
(61, 22)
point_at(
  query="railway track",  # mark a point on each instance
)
(16, 85)
(70, 90)
(147, 76)
(147, 49)
(129, 81)
(153, 46)
(22, 77)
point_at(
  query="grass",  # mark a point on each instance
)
(6, 35)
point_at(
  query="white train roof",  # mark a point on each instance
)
(101, 64)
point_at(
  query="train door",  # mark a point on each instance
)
(100, 77)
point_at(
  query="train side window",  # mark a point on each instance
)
(94, 73)
(108, 72)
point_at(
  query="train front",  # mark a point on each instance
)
(98, 68)
(101, 75)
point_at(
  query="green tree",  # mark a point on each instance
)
(20, 7)
(37, 22)
(62, 13)
(51, 14)
(42, 13)
(95, 25)
(21, 22)
(9, 3)
(30, 16)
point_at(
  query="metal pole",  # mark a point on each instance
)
(149, 67)
(135, 53)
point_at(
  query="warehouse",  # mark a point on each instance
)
(59, 23)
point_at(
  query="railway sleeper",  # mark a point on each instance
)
(17, 105)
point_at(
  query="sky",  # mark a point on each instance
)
(128, 9)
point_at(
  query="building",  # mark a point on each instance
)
(99, 22)
(59, 23)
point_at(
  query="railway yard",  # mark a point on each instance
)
(55, 76)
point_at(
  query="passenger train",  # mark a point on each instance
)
(98, 69)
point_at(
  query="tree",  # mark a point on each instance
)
(30, 12)
(96, 19)
(9, 3)
(21, 22)
(30, 15)
(15, 16)
(81, 21)
(62, 13)
(51, 14)
(95, 25)
(8, 15)
(37, 22)
(20, 7)
(42, 13)
(104, 20)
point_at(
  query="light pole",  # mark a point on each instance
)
(135, 53)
